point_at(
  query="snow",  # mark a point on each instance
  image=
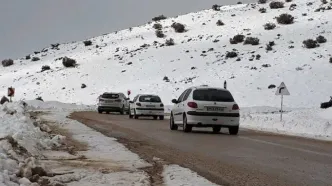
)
(176, 175)
(101, 70)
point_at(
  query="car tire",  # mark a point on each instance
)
(216, 129)
(186, 127)
(107, 112)
(172, 126)
(161, 117)
(155, 117)
(122, 110)
(100, 111)
(135, 116)
(233, 130)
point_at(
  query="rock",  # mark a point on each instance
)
(45, 67)
(7, 62)
(44, 181)
(27, 57)
(45, 128)
(39, 98)
(24, 181)
(68, 62)
(266, 65)
(39, 171)
(193, 68)
(83, 86)
(87, 43)
(35, 59)
(35, 178)
(3, 100)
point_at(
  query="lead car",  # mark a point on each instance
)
(205, 106)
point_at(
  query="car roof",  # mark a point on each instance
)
(207, 87)
(147, 95)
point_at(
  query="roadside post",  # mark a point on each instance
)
(282, 91)
(225, 84)
(128, 93)
(11, 93)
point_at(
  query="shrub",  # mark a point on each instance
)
(268, 47)
(169, 42)
(231, 54)
(220, 23)
(272, 86)
(269, 26)
(237, 39)
(159, 18)
(3, 100)
(27, 57)
(276, 4)
(288, 1)
(271, 43)
(87, 43)
(160, 34)
(178, 27)
(216, 7)
(262, 1)
(39, 98)
(35, 59)
(285, 19)
(251, 41)
(7, 62)
(310, 43)
(83, 85)
(324, 1)
(45, 67)
(262, 10)
(330, 59)
(68, 62)
(157, 26)
(321, 39)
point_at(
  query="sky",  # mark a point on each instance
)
(30, 25)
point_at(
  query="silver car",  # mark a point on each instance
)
(113, 102)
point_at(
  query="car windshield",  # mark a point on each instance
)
(149, 98)
(212, 95)
(110, 96)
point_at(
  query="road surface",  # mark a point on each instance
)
(251, 158)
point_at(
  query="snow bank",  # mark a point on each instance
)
(176, 175)
(57, 106)
(16, 126)
(312, 123)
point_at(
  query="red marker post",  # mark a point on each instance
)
(11, 93)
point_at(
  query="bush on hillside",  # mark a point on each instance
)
(324, 1)
(45, 67)
(3, 100)
(157, 26)
(330, 59)
(288, 1)
(251, 41)
(7, 62)
(310, 43)
(237, 39)
(262, 10)
(68, 62)
(35, 59)
(220, 23)
(169, 42)
(87, 43)
(285, 19)
(159, 18)
(178, 27)
(276, 4)
(27, 57)
(160, 34)
(268, 47)
(39, 98)
(262, 1)
(216, 7)
(269, 26)
(321, 39)
(231, 54)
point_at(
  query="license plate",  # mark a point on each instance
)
(219, 109)
(110, 101)
(150, 106)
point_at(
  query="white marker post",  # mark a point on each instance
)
(283, 91)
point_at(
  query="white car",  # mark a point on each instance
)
(204, 106)
(113, 102)
(146, 105)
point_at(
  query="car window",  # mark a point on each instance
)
(186, 95)
(212, 95)
(135, 99)
(181, 96)
(149, 98)
(110, 96)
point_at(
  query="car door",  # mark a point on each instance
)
(178, 109)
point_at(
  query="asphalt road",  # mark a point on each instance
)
(251, 158)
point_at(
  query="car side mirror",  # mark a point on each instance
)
(131, 102)
(174, 101)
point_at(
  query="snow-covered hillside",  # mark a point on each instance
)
(136, 59)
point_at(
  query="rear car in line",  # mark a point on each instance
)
(205, 106)
(146, 105)
(113, 102)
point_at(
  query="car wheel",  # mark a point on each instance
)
(155, 117)
(135, 116)
(130, 116)
(161, 117)
(172, 126)
(186, 127)
(233, 130)
(107, 112)
(122, 110)
(100, 111)
(216, 129)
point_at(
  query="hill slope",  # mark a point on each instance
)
(121, 61)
